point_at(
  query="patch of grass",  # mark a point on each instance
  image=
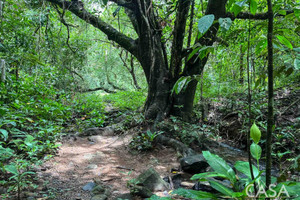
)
(126, 100)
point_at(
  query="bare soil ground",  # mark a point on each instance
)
(107, 159)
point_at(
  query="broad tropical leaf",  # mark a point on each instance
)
(255, 133)
(105, 2)
(244, 168)
(4, 133)
(284, 41)
(225, 23)
(192, 194)
(181, 83)
(205, 23)
(12, 169)
(297, 64)
(255, 150)
(253, 7)
(221, 188)
(238, 6)
(207, 175)
(219, 165)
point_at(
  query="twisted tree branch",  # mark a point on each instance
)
(124, 41)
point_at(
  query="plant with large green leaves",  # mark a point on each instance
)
(240, 186)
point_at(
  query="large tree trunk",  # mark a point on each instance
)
(183, 102)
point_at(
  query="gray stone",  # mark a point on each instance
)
(194, 164)
(89, 186)
(106, 131)
(99, 197)
(152, 180)
(148, 182)
(95, 139)
(91, 131)
(126, 196)
(141, 191)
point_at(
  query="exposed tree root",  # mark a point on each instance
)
(177, 145)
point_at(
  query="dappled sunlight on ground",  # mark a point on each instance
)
(108, 160)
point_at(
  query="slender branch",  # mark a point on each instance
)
(63, 21)
(258, 16)
(115, 87)
(74, 72)
(112, 34)
(131, 68)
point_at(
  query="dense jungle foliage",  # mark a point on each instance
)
(62, 72)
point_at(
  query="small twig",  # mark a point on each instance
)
(171, 183)
(67, 25)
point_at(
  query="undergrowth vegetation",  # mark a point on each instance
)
(34, 117)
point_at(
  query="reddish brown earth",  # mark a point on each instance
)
(107, 159)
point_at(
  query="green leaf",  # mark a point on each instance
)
(238, 6)
(225, 23)
(207, 175)
(293, 188)
(192, 194)
(297, 12)
(255, 133)
(282, 12)
(284, 41)
(203, 52)
(27, 173)
(29, 138)
(2, 48)
(221, 188)
(205, 23)
(105, 2)
(181, 83)
(255, 150)
(5, 153)
(155, 197)
(297, 64)
(229, 4)
(12, 169)
(4, 133)
(193, 53)
(244, 168)
(253, 7)
(261, 45)
(219, 165)
(29, 141)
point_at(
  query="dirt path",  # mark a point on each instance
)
(107, 158)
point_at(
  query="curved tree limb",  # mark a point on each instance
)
(124, 41)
